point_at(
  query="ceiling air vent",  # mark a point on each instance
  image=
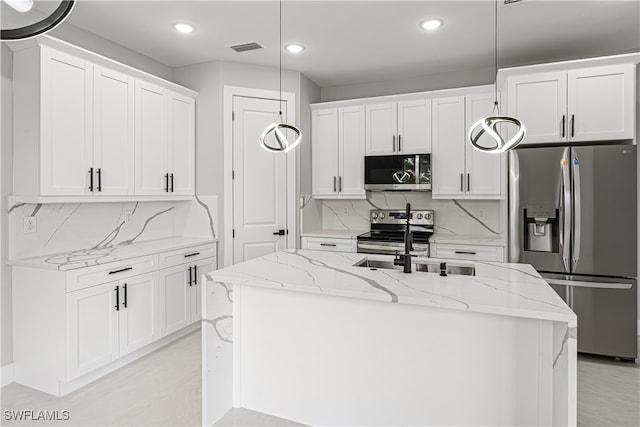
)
(244, 47)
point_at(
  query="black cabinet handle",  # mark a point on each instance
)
(468, 182)
(461, 182)
(99, 179)
(573, 122)
(399, 143)
(193, 254)
(189, 276)
(328, 244)
(117, 289)
(124, 303)
(121, 270)
(466, 252)
(195, 274)
(166, 182)
(172, 183)
(335, 188)
(90, 179)
(563, 118)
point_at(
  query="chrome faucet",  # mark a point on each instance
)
(405, 259)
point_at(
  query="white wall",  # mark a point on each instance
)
(209, 79)
(309, 94)
(6, 184)
(462, 78)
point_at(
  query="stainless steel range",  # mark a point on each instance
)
(387, 232)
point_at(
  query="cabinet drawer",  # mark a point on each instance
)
(91, 276)
(329, 244)
(470, 252)
(181, 256)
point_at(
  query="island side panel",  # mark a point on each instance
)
(217, 350)
(326, 360)
(564, 371)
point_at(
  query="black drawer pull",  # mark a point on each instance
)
(172, 183)
(121, 270)
(195, 274)
(193, 254)
(117, 289)
(90, 179)
(190, 277)
(466, 252)
(328, 244)
(166, 182)
(99, 179)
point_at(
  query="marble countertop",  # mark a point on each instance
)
(336, 234)
(103, 255)
(497, 288)
(467, 239)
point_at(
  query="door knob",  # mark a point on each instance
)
(279, 233)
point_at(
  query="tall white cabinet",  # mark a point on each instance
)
(86, 126)
(338, 152)
(582, 104)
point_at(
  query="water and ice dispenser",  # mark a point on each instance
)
(541, 230)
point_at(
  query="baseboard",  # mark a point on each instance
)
(7, 374)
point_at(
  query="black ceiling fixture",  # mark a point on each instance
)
(40, 27)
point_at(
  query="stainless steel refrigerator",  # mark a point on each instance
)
(573, 216)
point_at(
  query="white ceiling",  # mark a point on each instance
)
(352, 42)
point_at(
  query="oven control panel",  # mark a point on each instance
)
(384, 216)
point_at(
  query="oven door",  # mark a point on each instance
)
(391, 248)
(402, 172)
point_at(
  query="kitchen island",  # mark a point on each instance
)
(315, 338)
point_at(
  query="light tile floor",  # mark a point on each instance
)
(164, 389)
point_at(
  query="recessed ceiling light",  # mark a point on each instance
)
(294, 48)
(183, 28)
(431, 24)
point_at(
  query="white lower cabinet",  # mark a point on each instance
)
(72, 327)
(470, 252)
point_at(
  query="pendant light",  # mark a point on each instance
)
(37, 28)
(276, 128)
(489, 125)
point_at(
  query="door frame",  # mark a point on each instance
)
(292, 161)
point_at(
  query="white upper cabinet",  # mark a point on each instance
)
(338, 138)
(65, 128)
(88, 126)
(585, 104)
(601, 103)
(459, 170)
(402, 127)
(448, 169)
(113, 123)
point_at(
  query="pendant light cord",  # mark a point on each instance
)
(280, 50)
(495, 56)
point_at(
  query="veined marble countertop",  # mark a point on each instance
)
(103, 255)
(337, 234)
(497, 288)
(467, 239)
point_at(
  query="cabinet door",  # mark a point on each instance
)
(351, 145)
(195, 291)
(448, 146)
(174, 299)
(601, 103)
(483, 170)
(139, 312)
(150, 139)
(113, 146)
(181, 144)
(540, 102)
(93, 328)
(324, 151)
(414, 126)
(381, 129)
(66, 124)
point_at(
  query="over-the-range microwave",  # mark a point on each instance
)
(407, 172)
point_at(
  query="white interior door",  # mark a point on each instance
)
(260, 182)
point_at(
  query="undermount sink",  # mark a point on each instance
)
(429, 267)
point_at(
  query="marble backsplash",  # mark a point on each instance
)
(475, 217)
(65, 227)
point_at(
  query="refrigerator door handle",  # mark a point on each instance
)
(582, 284)
(577, 212)
(565, 209)
(514, 207)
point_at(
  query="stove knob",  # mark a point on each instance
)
(381, 215)
(419, 216)
(374, 215)
(427, 217)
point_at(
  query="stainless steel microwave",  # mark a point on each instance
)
(398, 172)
